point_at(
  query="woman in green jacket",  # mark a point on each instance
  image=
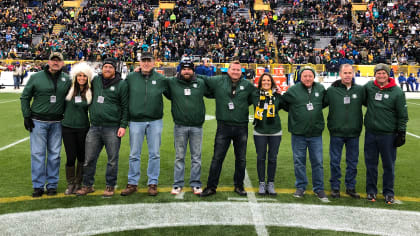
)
(267, 131)
(75, 124)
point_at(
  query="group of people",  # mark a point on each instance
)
(55, 105)
(411, 81)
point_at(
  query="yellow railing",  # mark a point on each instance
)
(365, 70)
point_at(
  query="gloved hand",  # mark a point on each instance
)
(29, 124)
(399, 139)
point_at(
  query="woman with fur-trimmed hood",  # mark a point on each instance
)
(75, 124)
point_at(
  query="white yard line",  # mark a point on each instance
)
(115, 218)
(413, 135)
(413, 103)
(257, 214)
(13, 144)
(180, 195)
(9, 101)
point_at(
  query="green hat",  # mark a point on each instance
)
(382, 66)
(307, 68)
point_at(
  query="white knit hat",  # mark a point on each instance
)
(76, 69)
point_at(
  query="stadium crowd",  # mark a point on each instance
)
(216, 30)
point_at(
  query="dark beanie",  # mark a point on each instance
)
(110, 61)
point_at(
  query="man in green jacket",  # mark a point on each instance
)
(42, 118)
(385, 122)
(345, 121)
(145, 88)
(186, 93)
(233, 97)
(108, 118)
(304, 102)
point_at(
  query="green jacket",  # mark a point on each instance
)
(113, 112)
(145, 96)
(304, 122)
(268, 125)
(76, 114)
(345, 116)
(221, 87)
(387, 113)
(187, 104)
(41, 87)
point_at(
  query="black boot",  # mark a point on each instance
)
(70, 180)
(79, 177)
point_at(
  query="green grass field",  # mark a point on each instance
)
(16, 186)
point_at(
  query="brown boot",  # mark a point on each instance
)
(85, 190)
(152, 190)
(70, 180)
(79, 177)
(109, 191)
(130, 189)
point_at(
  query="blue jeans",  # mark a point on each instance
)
(314, 145)
(153, 132)
(352, 158)
(384, 145)
(45, 143)
(226, 134)
(181, 136)
(16, 81)
(261, 143)
(97, 137)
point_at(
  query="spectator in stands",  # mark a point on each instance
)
(385, 122)
(109, 118)
(75, 124)
(42, 118)
(145, 88)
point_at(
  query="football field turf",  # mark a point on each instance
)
(16, 186)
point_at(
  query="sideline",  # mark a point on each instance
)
(413, 135)
(13, 144)
(413, 103)
(116, 218)
(99, 192)
(9, 101)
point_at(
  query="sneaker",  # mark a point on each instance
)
(38, 192)
(270, 189)
(322, 196)
(371, 197)
(389, 199)
(197, 190)
(208, 192)
(176, 190)
(335, 193)
(261, 189)
(352, 193)
(152, 190)
(299, 193)
(130, 189)
(240, 190)
(85, 190)
(109, 191)
(51, 191)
